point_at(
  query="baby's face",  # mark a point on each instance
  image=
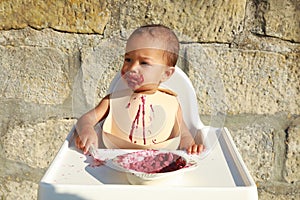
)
(144, 62)
(144, 67)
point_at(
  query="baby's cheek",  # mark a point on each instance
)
(122, 72)
(141, 79)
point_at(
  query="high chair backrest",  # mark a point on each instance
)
(180, 84)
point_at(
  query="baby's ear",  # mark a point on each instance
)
(168, 73)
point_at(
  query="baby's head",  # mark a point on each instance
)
(156, 37)
(151, 56)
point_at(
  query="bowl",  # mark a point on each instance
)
(145, 167)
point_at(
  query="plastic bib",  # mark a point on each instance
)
(138, 120)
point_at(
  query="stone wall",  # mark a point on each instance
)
(57, 58)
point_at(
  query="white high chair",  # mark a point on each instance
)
(221, 174)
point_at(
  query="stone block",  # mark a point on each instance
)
(263, 195)
(255, 144)
(270, 44)
(34, 74)
(206, 21)
(263, 143)
(35, 144)
(23, 190)
(260, 140)
(278, 190)
(48, 38)
(70, 16)
(282, 19)
(292, 163)
(99, 65)
(206, 79)
(273, 18)
(244, 81)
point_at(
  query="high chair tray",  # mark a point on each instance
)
(221, 175)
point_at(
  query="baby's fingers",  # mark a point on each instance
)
(200, 148)
(87, 146)
(78, 143)
(189, 150)
(89, 143)
(81, 143)
(195, 149)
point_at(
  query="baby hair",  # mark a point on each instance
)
(165, 36)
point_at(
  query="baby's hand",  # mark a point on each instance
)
(85, 140)
(78, 142)
(195, 149)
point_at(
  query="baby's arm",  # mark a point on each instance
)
(187, 141)
(86, 135)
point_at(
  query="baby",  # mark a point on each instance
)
(143, 116)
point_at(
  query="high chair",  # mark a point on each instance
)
(221, 174)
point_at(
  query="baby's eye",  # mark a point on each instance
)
(145, 63)
(127, 59)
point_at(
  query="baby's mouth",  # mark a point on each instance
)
(133, 79)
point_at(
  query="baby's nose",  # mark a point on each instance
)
(134, 67)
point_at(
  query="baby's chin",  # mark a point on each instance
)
(150, 87)
(133, 87)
